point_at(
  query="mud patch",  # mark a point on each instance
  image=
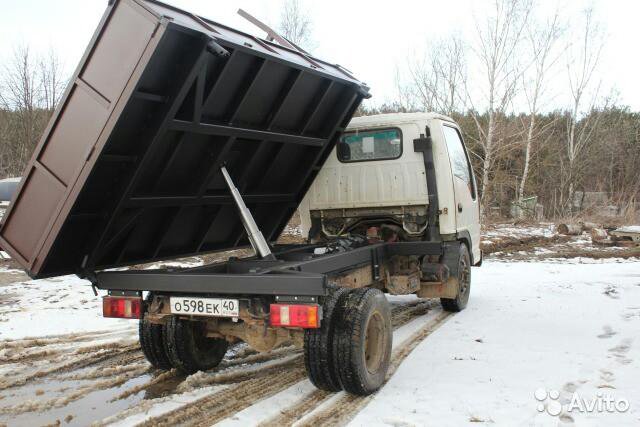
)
(86, 377)
(516, 244)
(220, 405)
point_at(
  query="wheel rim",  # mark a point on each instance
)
(374, 340)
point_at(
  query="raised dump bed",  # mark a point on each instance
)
(128, 169)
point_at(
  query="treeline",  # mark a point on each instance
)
(30, 87)
(527, 89)
(610, 163)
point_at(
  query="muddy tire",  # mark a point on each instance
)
(188, 349)
(318, 347)
(152, 342)
(362, 340)
(464, 282)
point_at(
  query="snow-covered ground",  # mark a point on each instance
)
(569, 326)
(54, 306)
(500, 231)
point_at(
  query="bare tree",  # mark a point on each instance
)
(405, 93)
(30, 87)
(21, 94)
(295, 24)
(51, 83)
(498, 39)
(582, 61)
(20, 85)
(542, 42)
(437, 78)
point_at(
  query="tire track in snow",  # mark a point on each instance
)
(304, 406)
(402, 314)
(128, 364)
(347, 406)
(41, 405)
(250, 390)
(73, 338)
(51, 348)
(221, 375)
(236, 377)
(86, 358)
(312, 401)
(109, 364)
(220, 405)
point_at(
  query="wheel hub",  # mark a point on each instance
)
(374, 342)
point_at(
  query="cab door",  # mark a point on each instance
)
(466, 207)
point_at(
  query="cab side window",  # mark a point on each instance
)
(359, 146)
(459, 160)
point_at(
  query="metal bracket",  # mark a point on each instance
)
(271, 34)
(258, 242)
(296, 299)
(116, 293)
(375, 265)
(216, 49)
(424, 144)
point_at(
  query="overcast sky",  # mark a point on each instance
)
(367, 37)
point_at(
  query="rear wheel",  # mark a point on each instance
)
(464, 282)
(318, 347)
(152, 341)
(188, 347)
(362, 340)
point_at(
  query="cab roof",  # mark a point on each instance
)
(379, 120)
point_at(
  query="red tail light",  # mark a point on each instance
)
(122, 307)
(300, 316)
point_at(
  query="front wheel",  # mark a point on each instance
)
(464, 282)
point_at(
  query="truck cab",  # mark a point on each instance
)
(375, 176)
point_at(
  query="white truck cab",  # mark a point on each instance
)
(375, 171)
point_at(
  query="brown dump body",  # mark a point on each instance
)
(127, 170)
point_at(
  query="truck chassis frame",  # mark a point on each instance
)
(296, 271)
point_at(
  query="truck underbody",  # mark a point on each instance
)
(298, 274)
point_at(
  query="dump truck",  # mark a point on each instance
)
(179, 136)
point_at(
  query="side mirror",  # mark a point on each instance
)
(344, 151)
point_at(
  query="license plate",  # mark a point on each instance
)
(205, 306)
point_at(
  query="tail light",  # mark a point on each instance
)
(300, 316)
(122, 307)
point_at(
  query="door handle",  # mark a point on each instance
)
(459, 207)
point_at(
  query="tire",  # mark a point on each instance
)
(318, 347)
(362, 340)
(152, 341)
(464, 282)
(188, 348)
